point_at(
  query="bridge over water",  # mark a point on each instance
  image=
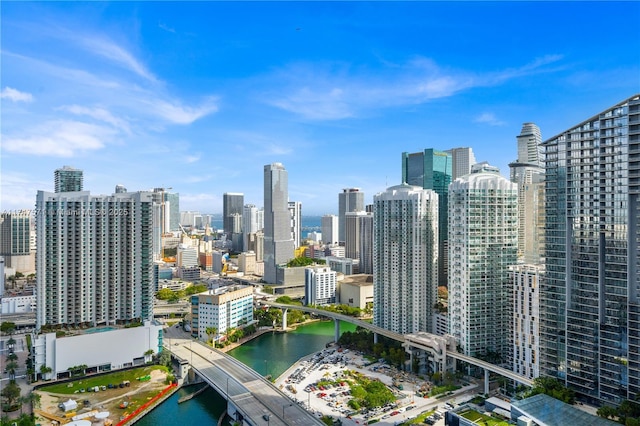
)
(251, 399)
(441, 349)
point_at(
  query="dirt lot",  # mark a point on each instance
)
(138, 393)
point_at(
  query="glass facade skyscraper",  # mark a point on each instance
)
(232, 203)
(432, 169)
(67, 179)
(349, 200)
(278, 241)
(590, 297)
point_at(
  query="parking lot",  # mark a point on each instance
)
(301, 383)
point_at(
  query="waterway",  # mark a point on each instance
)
(269, 354)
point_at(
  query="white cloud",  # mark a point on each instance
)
(488, 118)
(336, 92)
(117, 54)
(59, 138)
(192, 158)
(19, 190)
(322, 104)
(15, 95)
(99, 114)
(164, 26)
(176, 113)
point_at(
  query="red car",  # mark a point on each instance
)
(395, 413)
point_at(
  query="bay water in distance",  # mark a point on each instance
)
(269, 354)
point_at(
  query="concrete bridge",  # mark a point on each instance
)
(440, 351)
(251, 399)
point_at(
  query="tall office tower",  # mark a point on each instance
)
(295, 211)
(525, 354)
(172, 199)
(349, 200)
(366, 243)
(94, 262)
(461, 159)
(15, 241)
(249, 226)
(232, 203)
(483, 243)
(278, 244)
(329, 229)
(590, 297)
(528, 174)
(320, 285)
(405, 258)
(67, 179)
(120, 189)
(352, 234)
(432, 169)
(1, 276)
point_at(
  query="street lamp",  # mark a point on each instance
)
(283, 407)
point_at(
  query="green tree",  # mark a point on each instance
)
(164, 294)
(552, 387)
(607, 412)
(211, 331)
(11, 367)
(163, 358)
(10, 393)
(44, 370)
(8, 327)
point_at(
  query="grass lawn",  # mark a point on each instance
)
(420, 419)
(113, 378)
(482, 420)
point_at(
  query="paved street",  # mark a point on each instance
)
(254, 396)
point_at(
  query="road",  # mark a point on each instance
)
(255, 397)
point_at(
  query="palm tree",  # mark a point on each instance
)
(44, 370)
(211, 331)
(11, 368)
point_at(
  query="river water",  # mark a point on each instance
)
(270, 353)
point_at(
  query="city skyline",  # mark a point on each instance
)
(200, 96)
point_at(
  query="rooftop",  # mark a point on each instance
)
(548, 411)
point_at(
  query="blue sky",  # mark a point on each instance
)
(199, 96)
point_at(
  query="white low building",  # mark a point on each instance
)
(223, 309)
(105, 349)
(18, 304)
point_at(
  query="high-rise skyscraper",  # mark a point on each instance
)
(352, 234)
(590, 297)
(278, 244)
(329, 229)
(295, 211)
(461, 159)
(483, 243)
(405, 258)
(432, 169)
(251, 223)
(67, 179)
(232, 203)
(528, 174)
(173, 201)
(366, 243)
(349, 200)
(94, 262)
(15, 244)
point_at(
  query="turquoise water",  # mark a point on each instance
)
(275, 352)
(99, 330)
(271, 353)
